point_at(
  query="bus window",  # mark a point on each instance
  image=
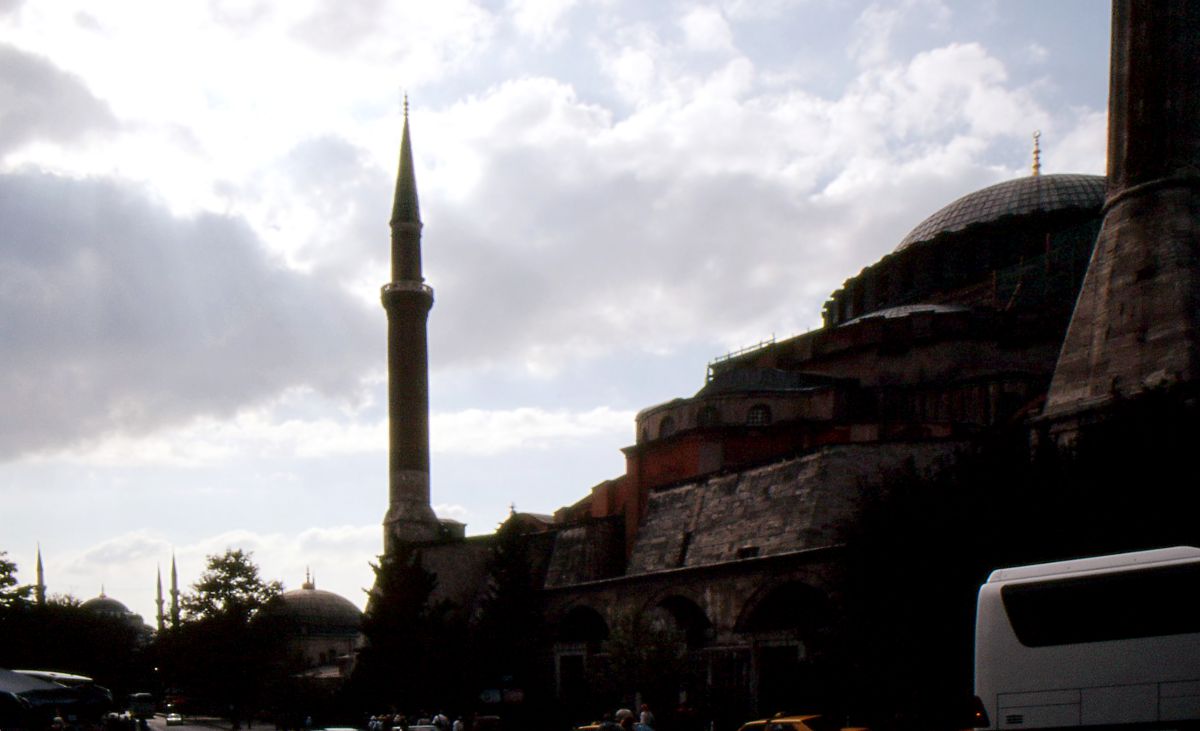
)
(1117, 606)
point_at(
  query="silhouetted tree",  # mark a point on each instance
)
(229, 586)
(411, 647)
(509, 630)
(215, 655)
(12, 595)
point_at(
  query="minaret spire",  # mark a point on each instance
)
(158, 599)
(39, 591)
(407, 301)
(174, 594)
(406, 213)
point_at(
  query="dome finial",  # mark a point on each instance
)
(308, 582)
(1037, 153)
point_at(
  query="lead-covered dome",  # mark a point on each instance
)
(313, 611)
(1037, 194)
(105, 605)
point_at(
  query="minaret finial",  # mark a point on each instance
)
(406, 106)
(1037, 153)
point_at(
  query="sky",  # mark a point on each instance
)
(194, 200)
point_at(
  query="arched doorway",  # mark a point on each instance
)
(579, 636)
(786, 626)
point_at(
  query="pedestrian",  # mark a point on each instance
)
(625, 718)
(647, 717)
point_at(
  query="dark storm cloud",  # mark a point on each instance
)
(117, 317)
(43, 102)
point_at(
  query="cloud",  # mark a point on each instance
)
(426, 39)
(119, 318)
(479, 432)
(266, 433)
(878, 24)
(541, 20)
(44, 103)
(706, 30)
(714, 211)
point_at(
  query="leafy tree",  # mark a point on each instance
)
(230, 586)
(645, 655)
(413, 650)
(215, 655)
(11, 595)
(509, 630)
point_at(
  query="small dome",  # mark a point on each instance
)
(1036, 194)
(893, 313)
(314, 611)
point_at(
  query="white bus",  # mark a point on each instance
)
(1093, 642)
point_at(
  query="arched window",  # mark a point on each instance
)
(709, 416)
(666, 427)
(758, 415)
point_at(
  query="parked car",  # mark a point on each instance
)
(174, 719)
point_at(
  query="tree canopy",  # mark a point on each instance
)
(230, 585)
(11, 594)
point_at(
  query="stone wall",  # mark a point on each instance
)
(792, 505)
(587, 552)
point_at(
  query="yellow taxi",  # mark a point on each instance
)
(797, 722)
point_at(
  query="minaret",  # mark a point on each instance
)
(407, 300)
(1136, 323)
(39, 591)
(174, 594)
(159, 601)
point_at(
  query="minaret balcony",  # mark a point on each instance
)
(406, 291)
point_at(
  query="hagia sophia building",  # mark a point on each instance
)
(1039, 301)
(1035, 301)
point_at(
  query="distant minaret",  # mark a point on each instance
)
(159, 601)
(174, 594)
(407, 300)
(1136, 323)
(39, 591)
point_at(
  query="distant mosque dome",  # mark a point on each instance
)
(1026, 197)
(106, 606)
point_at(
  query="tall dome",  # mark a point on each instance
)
(1018, 245)
(1033, 195)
